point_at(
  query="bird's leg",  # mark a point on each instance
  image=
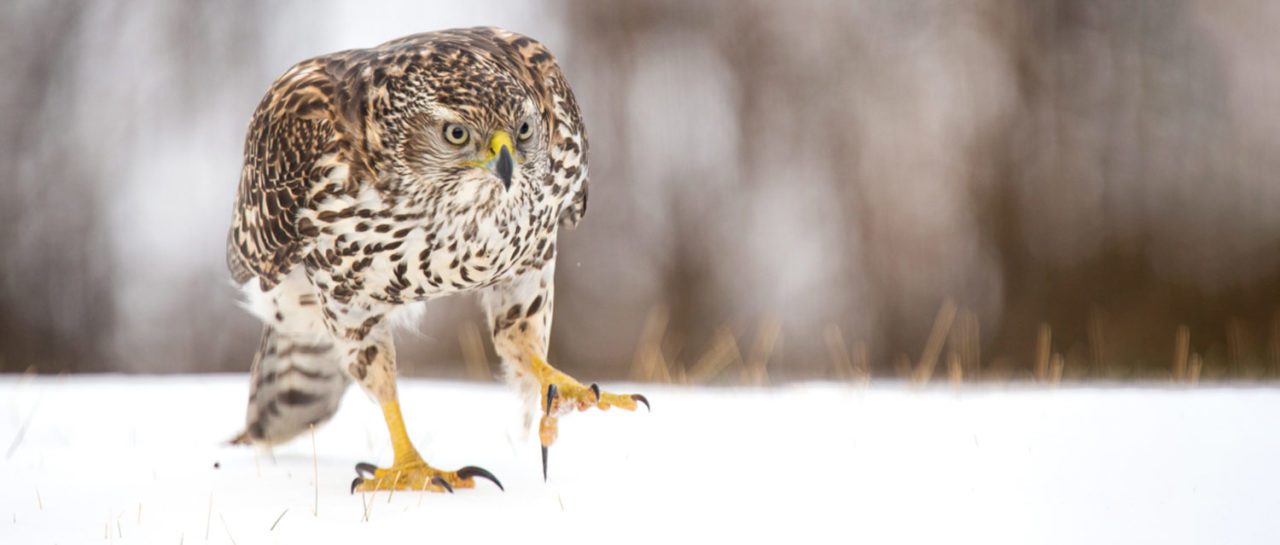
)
(561, 394)
(374, 368)
(520, 313)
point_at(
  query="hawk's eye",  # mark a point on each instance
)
(456, 134)
(526, 130)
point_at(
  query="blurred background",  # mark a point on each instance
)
(985, 189)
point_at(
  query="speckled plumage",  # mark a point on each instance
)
(352, 204)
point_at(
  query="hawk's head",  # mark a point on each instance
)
(477, 131)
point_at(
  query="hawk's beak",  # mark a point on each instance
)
(501, 161)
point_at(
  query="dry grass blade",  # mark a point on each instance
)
(1181, 349)
(227, 527)
(315, 473)
(22, 431)
(277, 522)
(756, 371)
(1273, 347)
(1236, 346)
(902, 366)
(1193, 369)
(1097, 342)
(394, 484)
(722, 354)
(955, 371)
(968, 338)
(472, 345)
(1056, 366)
(1044, 343)
(648, 359)
(841, 363)
(208, 518)
(933, 346)
(862, 361)
(367, 501)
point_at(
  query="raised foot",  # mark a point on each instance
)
(563, 398)
(417, 476)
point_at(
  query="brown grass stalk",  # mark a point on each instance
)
(315, 473)
(862, 361)
(955, 369)
(1181, 350)
(767, 336)
(1097, 342)
(1044, 346)
(841, 362)
(648, 358)
(933, 346)
(473, 355)
(720, 356)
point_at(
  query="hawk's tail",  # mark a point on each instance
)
(295, 383)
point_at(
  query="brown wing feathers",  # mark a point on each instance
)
(291, 129)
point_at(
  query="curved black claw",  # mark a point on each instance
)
(354, 483)
(473, 471)
(551, 396)
(595, 388)
(442, 484)
(642, 399)
(366, 470)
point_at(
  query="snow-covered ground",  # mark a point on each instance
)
(141, 460)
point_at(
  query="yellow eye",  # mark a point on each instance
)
(526, 131)
(456, 134)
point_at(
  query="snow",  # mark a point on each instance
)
(132, 460)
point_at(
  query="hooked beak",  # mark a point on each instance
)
(501, 161)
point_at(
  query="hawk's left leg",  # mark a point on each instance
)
(519, 314)
(372, 362)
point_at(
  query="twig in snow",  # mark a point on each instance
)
(273, 525)
(22, 432)
(423, 491)
(368, 505)
(227, 528)
(391, 493)
(315, 473)
(208, 518)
